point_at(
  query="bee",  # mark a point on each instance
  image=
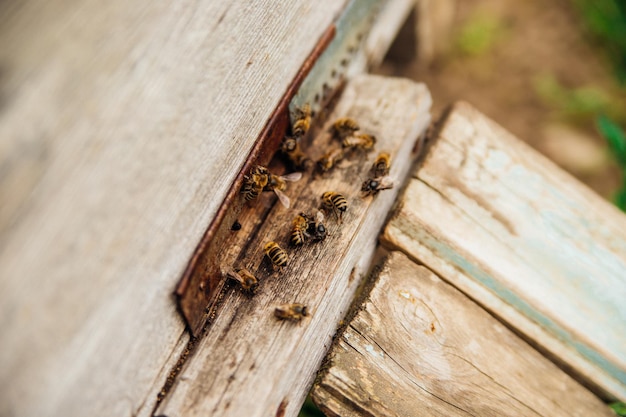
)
(275, 253)
(372, 186)
(330, 159)
(316, 226)
(344, 127)
(244, 277)
(381, 165)
(254, 183)
(303, 122)
(291, 148)
(335, 202)
(361, 141)
(278, 184)
(293, 312)
(299, 230)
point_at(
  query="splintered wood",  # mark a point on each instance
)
(249, 363)
(525, 240)
(419, 347)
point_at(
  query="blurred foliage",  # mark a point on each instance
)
(579, 105)
(619, 408)
(479, 34)
(606, 20)
(309, 409)
(615, 137)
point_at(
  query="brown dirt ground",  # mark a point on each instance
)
(538, 38)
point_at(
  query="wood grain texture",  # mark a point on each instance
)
(123, 124)
(525, 240)
(417, 346)
(251, 364)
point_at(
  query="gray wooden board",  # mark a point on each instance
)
(524, 239)
(417, 346)
(249, 363)
(122, 125)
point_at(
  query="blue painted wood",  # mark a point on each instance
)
(526, 240)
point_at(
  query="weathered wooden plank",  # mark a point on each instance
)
(123, 125)
(525, 240)
(417, 346)
(248, 363)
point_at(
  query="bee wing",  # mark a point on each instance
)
(231, 273)
(283, 198)
(386, 182)
(294, 176)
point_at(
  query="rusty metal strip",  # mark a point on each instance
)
(201, 282)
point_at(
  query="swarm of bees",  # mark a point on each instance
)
(307, 227)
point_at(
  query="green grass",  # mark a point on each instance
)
(309, 409)
(606, 20)
(616, 139)
(619, 408)
(479, 34)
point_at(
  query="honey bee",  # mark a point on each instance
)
(372, 186)
(278, 184)
(244, 277)
(303, 122)
(299, 230)
(293, 312)
(335, 202)
(330, 159)
(275, 253)
(316, 226)
(361, 141)
(344, 127)
(254, 183)
(291, 148)
(381, 165)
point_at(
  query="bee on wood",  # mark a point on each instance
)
(335, 202)
(303, 122)
(244, 277)
(361, 141)
(293, 312)
(291, 148)
(372, 186)
(316, 226)
(255, 182)
(278, 184)
(344, 127)
(275, 253)
(330, 159)
(381, 165)
(299, 229)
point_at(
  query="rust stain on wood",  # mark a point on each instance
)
(201, 281)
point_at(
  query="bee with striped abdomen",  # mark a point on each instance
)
(335, 202)
(255, 182)
(291, 148)
(299, 229)
(343, 127)
(372, 186)
(244, 277)
(293, 311)
(330, 159)
(361, 141)
(381, 165)
(316, 226)
(276, 254)
(303, 121)
(278, 184)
